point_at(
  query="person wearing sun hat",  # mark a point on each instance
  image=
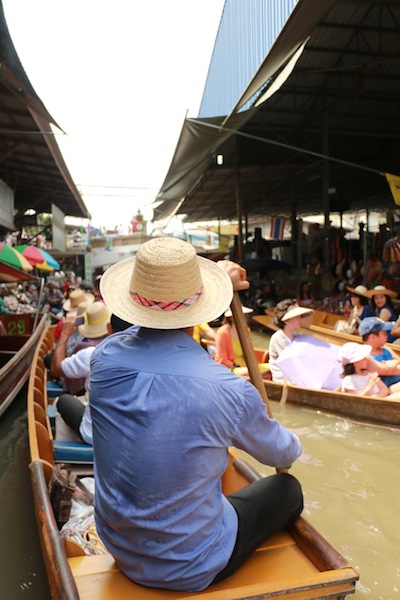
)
(91, 332)
(287, 316)
(382, 359)
(164, 414)
(74, 411)
(76, 298)
(228, 350)
(382, 305)
(360, 310)
(357, 378)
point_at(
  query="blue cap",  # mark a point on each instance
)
(373, 325)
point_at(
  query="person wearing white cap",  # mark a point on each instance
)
(357, 379)
(164, 414)
(385, 361)
(287, 316)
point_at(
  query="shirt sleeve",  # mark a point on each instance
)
(262, 437)
(78, 365)
(348, 384)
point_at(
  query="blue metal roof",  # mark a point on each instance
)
(247, 31)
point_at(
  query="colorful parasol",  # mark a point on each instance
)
(9, 255)
(38, 257)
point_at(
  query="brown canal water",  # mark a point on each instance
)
(350, 475)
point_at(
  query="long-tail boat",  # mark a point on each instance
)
(19, 335)
(298, 563)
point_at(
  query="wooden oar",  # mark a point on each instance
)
(249, 354)
(248, 350)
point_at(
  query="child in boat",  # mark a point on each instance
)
(357, 379)
(384, 361)
(287, 317)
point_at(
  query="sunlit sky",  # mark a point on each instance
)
(119, 78)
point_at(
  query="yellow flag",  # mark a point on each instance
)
(394, 184)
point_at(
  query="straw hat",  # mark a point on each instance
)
(352, 352)
(380, 289)
(166, 286)
(359, 290)
(296, 311)
(97, 317)
(246, 310)
(79, 311)
(77, 297)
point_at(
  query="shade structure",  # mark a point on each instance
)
(38, 257)
(9, 274)
(10, 255)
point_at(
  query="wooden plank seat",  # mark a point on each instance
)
(54, 389)
(72, 452)
(255, 579)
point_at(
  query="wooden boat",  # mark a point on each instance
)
(296, 563)
(19, 335)
(16, 353)
(376, 411)
(320, 324)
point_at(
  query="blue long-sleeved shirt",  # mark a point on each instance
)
(164, 414)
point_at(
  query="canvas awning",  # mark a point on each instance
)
(340, 101)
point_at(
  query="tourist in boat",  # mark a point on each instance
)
(357, 379)
(305, 297)
(75, 411)
(228, 350)
(164, 414)
(91, 332)
(360, 310)
(384, 361)
(382, 305)
(54, 297)
(206, 337)
(287, 316)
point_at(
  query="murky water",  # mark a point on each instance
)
(350, 475)
(22, 572)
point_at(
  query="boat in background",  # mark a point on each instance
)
(19, 335)
(320, 324)
(297, 563)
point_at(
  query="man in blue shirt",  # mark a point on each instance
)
(164, 414)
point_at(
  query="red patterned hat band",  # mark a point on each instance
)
(176, 305)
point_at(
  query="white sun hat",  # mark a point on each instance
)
(296, 311)
(96, 319)
(166, 286)
(352, 352)
(76, 298)
(245, 309)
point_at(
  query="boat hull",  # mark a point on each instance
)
(297, 563)
(16, 355)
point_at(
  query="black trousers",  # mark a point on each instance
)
(263, 508)
(71, 409)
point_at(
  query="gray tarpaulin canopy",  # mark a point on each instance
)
(340, 101)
